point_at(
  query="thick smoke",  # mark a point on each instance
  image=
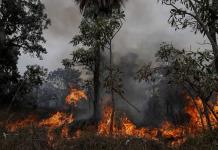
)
(144, 29)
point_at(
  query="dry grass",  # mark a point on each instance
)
(205, 141)
(36, 139)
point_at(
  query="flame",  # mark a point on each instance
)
(75, 96)
(57, 120)
(127, 128)
(177, 134)
(20, 124)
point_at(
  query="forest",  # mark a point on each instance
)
(106, 94)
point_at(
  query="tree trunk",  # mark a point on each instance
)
(112, 91)
(212, 111)
(113, 113)
(212, 30)
(96, 108)
(199, 112)
(2, 36)
(207, 115)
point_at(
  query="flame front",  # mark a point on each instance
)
(177, 134)
(75, 96)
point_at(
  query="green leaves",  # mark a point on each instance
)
(99, 31)
(191, 69)
(23, 23)
(192, 13)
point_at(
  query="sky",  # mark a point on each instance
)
(145, 28)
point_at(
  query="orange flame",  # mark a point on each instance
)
(59, 119)
(20, 124)
(177, 134)
(75, 96)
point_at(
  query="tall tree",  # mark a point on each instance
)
(95, 36)
(21, 29)
(200, 15)
(102, 8)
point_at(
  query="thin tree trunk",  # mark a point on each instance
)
(212, 111)
(96, 85)
(207, 115)
(198, 109)
(212, 30)
(113, 113)
(199, 112)
(112, 91)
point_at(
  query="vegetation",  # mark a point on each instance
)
(190, 70)
(21, 29)
(194, 73)
(96, 35)
(200, 15)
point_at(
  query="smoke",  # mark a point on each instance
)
(145, 27)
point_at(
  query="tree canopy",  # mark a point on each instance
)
(21, 30)
(200, 15)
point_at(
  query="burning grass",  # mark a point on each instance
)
(35, 139)
(53, 132)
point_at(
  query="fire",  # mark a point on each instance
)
(57, 120)
(20, 124)
(75, 96)
(176, 134)
(127, 128)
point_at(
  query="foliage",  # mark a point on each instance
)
(102, 5)
(81, 57)
(23, 22)
(97, 32)
(200, 15)
(190, 69)
(21, 29)
(94, 33)
(193, 13)
(65, 78)
(34, 76)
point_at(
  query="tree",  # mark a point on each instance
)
(200, 15)
(104, 6)
(95, 35)
(94, 10)
(34, 76)
(188, 69)
(21, 29)
(58, 83)
(65, 78)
